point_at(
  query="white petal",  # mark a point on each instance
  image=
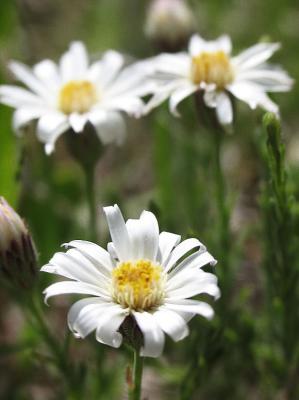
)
(77, 121)
(179, 95)
(150, 235)
(198, 45)
(271, 80)
(185, 315)
(108, 325)
(99, 289)
(210, 98)
(24, 115)
(131, 81)
(171, 323)
(77, 307)
(132, 105)
(225, 44)
(110, 126)
(180, 250)
(255, 55)
(112, 252)
(69, 265)
(153, 335)
(47, 72)
(84, 315)
(95, 72)
(14, 96)
(100, 257)
(167, 241)
(74, 265)
(118, 232)
(187, 276)
(157, 99)
(112, 62)
(87, 321)
(135, 230)
(68, 287)
(195, 261)
(74, 63)
(80, 56)
(162, 88)
(50, 126)
(169, 66)
(25, 75)
(253, 95)
(224, 109)
(144, 236)
(193, 284)
(191, 307)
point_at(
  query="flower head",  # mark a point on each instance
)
(76, 92)
(145, 275)
(17, 252)
(169, 23)
(208, 67)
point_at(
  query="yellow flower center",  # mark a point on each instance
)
(212, 67)
(77, 96)
(138, 285)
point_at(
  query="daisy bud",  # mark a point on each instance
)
(18, 257)
(169, 24)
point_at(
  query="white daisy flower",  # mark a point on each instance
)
(74, 92)
(145, 275)
(209, 67)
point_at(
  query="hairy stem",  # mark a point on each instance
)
(222, 207)
(135, 389)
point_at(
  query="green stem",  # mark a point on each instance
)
(221, 197)
(135, 391)
(90, 195)
(222, 207)
(209, 120)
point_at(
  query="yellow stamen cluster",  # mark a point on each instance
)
(212, 67)
(77, 96)
(138, 285)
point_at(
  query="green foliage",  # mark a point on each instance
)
(281, 246)
(9, 162)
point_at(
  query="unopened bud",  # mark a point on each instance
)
(169, 24)
(18, 259)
